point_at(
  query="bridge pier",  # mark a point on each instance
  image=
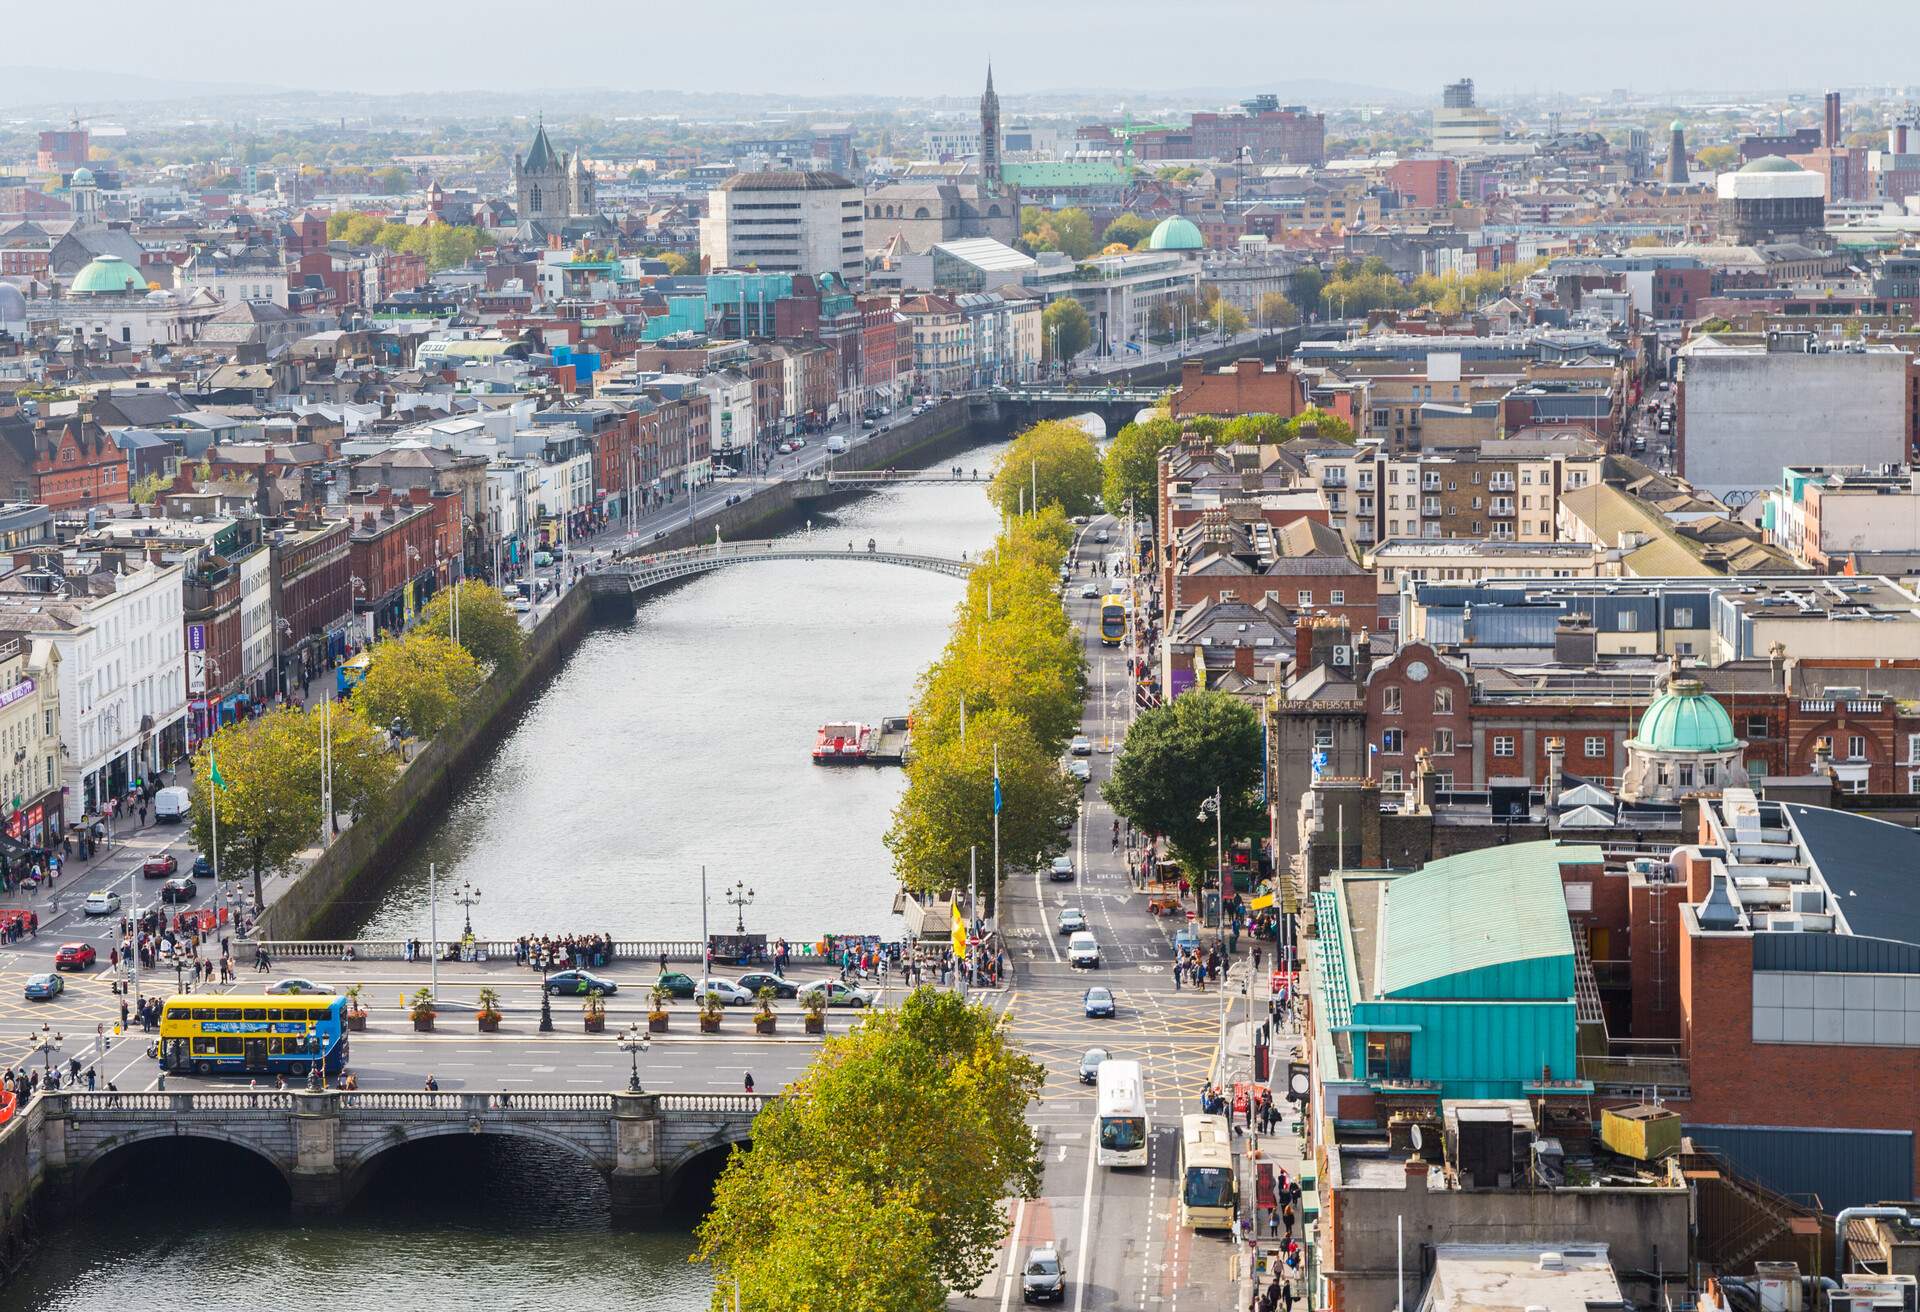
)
(316, 1182)
(636, 1183)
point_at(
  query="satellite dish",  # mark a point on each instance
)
(1416, 1138)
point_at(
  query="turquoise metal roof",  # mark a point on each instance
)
(1176, 234)
(1453, 926)
(108, 273)
(1685, 719)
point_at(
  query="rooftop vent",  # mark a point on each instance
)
(1718, 911)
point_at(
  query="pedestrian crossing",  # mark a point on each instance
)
(1175, 1040)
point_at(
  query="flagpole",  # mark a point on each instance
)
(996, 815)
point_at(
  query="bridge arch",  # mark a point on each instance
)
(98, 1167)
(358, 1168)
(703, 1158)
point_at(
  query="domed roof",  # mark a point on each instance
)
(108, 273)
(1176, 234)
(1771, 164)
(13, 306)
(1678, 125)
(1685, 719)
(82, 177)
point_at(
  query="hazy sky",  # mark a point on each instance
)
(831, 47)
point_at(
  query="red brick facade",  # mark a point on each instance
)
(1247, 388)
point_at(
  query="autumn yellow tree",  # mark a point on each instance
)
(419, 680)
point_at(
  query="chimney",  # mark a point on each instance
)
(1777, 660)
(1556, 766)
(1243, 659)
(1832, 136)
(1426, 781)
(1303, 654)
(1363, 658)
(1248, 368)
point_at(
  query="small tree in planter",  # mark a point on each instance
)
(356, 1014)
(420, 1007)
(489, 1013)
(763, 1019)
(657, 1013)
(594, 1013)
(814, 1003)
(712, 1007)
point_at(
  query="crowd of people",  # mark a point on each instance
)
(547, 953)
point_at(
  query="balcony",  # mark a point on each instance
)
(1670, 1077)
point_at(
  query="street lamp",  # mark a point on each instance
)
(740, 897)
(467, 895)
(46, 1043)
(1212, 804)
(546, 999)
(634, 1041)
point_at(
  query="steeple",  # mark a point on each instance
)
(989, 136)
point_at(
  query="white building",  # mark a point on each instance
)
(730, 395)
(787, 221)
(1461, 127)
(257, 619)
(123, 683)
(1748, 409)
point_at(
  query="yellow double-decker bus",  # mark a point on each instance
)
(253, 1034)
(1113, 619)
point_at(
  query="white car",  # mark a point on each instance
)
(1082, 745)
(1090, 591)
(101, 903)
(294, 984)
(730, 993)
(785, 448)
(1083, 950)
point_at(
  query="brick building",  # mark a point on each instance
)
(313, 592)
(77, 465)
(1247, 387)
(404, 547)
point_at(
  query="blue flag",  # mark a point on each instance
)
(996, 781)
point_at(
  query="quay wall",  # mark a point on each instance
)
(324, 900)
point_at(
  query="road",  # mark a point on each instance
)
(1117, 1229)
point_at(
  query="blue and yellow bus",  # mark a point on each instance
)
(1113, 619)
(253, 1034)
(349, 675)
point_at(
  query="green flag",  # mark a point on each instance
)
(213, 771)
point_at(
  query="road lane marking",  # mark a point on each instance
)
(1011, 1272)
(1086, 1221)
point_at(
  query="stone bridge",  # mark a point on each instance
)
(1116, 406)
(640, 571)
(325, 1144)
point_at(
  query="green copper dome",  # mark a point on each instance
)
(1685, 719)
(1176, 234)
(107, 273)
(1771, 164)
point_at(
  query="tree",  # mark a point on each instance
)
(488, 627)
(876, 1181)
(1131, 467)
(1069, 231)
(148, 488)
(1024, 660)
(1254, 430)
(1054, 461)
(678, 264)
(1307, 284)
(1717, 159)
(269, 803)
(1323, 423)
(1276, 311)
(1173, 759)
(1230, 319)
(357, 230)
(390, 180)
(420, 680)
(1128, 229)
(1064, 329)
(947, 810)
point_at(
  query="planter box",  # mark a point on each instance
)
(816, 1024)
(765, 1024)
(657, 1024)
(488, 1024)
(356, 1021)
(423, 1023)
(709, 1024)
(595, 1024)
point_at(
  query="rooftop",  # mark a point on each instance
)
(787, 180)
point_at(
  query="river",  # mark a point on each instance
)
(679, 740)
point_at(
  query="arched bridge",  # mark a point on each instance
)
(830, 480)
(324, 1144)
(638, 572)
(1017, 408)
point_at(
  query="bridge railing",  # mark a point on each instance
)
(148, 1103)
(750, 1103)
(493, 949)
(444, 1101)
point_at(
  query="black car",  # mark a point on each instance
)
(782, 987)
(580, 982)
(676, 984)
(181, 888)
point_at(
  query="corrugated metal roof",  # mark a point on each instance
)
(1475, 910)
(1843, 1168)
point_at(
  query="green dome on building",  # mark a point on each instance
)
(1176, 234)
(1771, 164)
(1685, 719)
(107, 274)
(82, 177)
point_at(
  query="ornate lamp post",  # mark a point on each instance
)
(546, 1000)
(740, 897)
(467, 895)
(635, 1042)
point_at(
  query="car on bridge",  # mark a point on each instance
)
(74, 956)
(297, 984)
(100, 902)
(782, 987)
(159, 867)
(583, 982)
(1072, 921)
(838, 994)
(1098, 1003)
(730, 993)
(43, 988)
(1090, 1062)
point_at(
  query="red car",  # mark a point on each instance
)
(159, 867)
(74, 956)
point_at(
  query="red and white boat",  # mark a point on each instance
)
(842, 742)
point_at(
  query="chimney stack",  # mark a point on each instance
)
(1556, 766)
(1832, 140)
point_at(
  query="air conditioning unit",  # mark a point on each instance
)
(1810, 900)
(1781, 923)
(1343, 655)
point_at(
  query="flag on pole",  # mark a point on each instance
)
(959, 931)
(996, 780)
(213, 771)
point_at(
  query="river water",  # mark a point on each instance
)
(676, 741)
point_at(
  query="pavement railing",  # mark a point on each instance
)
(477, 1102)
(494, 949)
(147, 1103)
(714, 1102)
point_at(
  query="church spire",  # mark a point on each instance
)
(990, 136)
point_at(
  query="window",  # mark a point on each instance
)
(1338, 597)
(1443, 742)
(1856, 747)
(1757, 728)
(1503, 745)
(1854, 785)
(1390, 700)
(1683, 617)
(1444, 780)
(1596, 748)
(1389, 1056)
(1913, 781)
(1303, 598)
(1686, 774)
(1913, 745)
(1629, 622)
(1391, 742)
(1391, 781)
(1443, 701)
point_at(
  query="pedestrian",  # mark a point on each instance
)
(749, 1081)
(1177, 968)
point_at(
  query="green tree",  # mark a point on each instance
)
(148, 488)
(1307, 283)
(488, 627)
(358, 230)
(1276, 311)
(1324, 423)
(678, 264)
(1173, 759)
(1717, 159)
(1230, 319)
(1064, 330)
(1254, 430)
(1055, 461)
(1129, 229)
(391, 180)
(337, 224)
(420, 679)
(947, 809)
(877, 1180)
(1131, 467)
(1069, 231)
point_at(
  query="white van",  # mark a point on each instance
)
(171, 805)
(1083, 950)
(836, 444)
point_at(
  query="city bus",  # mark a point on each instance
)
(253, 1034)
(1113, 619)
(349, 675)
(1208, 1194)
(1123, 1114)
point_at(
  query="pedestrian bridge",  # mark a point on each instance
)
(639, 571)
(823, 482)
(324, 1144)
